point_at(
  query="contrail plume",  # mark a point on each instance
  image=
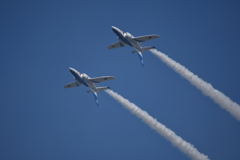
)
(177, 141)
(207, 89)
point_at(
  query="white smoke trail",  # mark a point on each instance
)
(177, 141)
(207, 89)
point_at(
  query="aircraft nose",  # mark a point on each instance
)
(73, 71)
(114, 28)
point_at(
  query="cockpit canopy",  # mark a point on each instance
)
(129, 35)
(85, 75)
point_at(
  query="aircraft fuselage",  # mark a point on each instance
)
(83, 79)
(126, 38)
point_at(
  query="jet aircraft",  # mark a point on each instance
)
(126, 39)
(81, 79)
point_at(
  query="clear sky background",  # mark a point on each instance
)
(39, 40)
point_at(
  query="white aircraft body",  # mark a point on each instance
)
(126, 39)
(81, 79)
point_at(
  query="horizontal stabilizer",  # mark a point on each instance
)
(144, 49)
(99, 89)
(147, 48)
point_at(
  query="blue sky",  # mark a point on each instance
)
(39, 40)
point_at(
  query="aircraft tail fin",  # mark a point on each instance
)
(99, 89)
(95, 93)
(141, 58)
(95, 97)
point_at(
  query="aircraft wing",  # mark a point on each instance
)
(145, 38)
(116, 45)
(71, 85)
(101, 79)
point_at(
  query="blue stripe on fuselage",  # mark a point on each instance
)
(122, 38)
(78, 78)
